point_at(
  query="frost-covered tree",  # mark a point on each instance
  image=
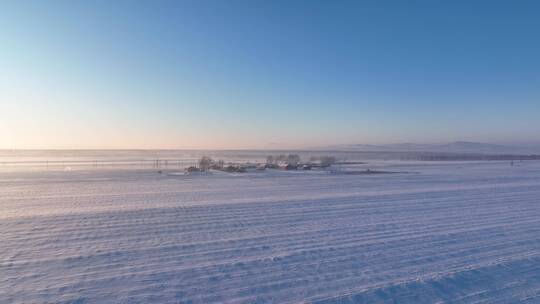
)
(293, 159)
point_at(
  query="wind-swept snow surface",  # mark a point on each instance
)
(452, 232)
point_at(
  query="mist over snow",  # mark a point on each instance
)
(453, 147)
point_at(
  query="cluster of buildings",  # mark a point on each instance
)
(280, 162)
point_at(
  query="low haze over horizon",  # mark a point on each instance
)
(267, 74)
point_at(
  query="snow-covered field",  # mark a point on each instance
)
(452, 232)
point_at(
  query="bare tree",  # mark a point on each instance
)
(281, 158)
(221, 163)
(205, 162)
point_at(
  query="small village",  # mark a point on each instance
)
(279, 162)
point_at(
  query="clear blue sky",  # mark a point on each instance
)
(267, 74)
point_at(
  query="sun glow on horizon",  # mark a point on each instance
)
(170, 75)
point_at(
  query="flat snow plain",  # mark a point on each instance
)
(453, 232)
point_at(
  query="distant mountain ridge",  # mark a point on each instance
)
(453, 147)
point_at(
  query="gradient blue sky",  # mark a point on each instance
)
(267, 74)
